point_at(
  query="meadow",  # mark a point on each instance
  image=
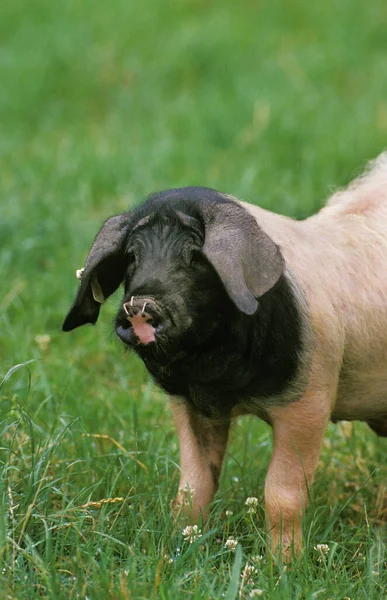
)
(278, 103)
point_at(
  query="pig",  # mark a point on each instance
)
(237, 310)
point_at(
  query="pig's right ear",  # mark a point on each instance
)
(103, 272)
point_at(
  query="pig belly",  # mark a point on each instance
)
(362, 398)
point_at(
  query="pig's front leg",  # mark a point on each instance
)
(298, 433)
(202, 447)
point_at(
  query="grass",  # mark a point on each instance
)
(100, 104)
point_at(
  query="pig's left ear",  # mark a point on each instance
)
(246, 259)
(103, 272)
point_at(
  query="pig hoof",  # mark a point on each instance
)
(286, 550)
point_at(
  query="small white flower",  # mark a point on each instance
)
(322, 549)
(231, 543)
(229, 513)
(191, 533)
(252, 504)
(256, 558)
(252, 501)
(255, 593)
(247, 573)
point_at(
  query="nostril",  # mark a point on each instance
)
(131, 310)
(139, 309)
(128, 309)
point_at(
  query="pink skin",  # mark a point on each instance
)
(143, 330)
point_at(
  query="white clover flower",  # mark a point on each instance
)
(247, 573)
(256, 558)
(322, 549)
(252, 504)
(167, 559)
(252, 501)
(231, 543)
(255, 593)
(191, 533)
(229, 513)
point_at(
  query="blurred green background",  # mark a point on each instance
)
(102, 103)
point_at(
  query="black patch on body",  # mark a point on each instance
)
(246, 358)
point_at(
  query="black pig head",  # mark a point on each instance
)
(232, 249)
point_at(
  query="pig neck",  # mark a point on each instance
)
(246, 357)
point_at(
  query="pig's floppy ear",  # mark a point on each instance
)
(246, 259)
(103, 272)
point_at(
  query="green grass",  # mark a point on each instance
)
(100, 104)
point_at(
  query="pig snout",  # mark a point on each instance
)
(140, 317)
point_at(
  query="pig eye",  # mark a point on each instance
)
(131, 258)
